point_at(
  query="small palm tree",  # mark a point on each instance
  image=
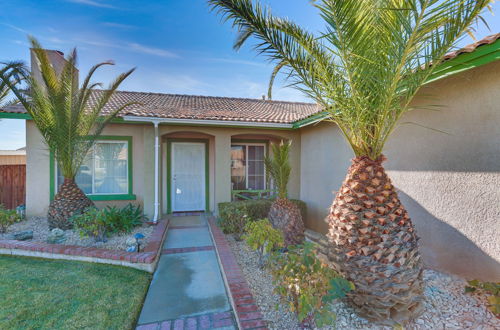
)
(68, 123)
(364, 69)
(284, 214)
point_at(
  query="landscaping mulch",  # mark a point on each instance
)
(40, 228)
(446, 305)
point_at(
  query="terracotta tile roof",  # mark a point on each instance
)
(203, 107)
(472, 47)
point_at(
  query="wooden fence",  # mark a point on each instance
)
(12, 185)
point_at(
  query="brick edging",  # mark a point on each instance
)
(246, 310)
(58, 251)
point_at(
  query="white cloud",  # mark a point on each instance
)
(150, 50)
(119, 25)
(92, 3)
(134, 47)
(234, 61)
(18, 29)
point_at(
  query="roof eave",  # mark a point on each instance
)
(482, 55)
(206, 122)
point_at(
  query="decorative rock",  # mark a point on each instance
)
(132, 248)
(56, 236)
(132, 244)
(23, 235)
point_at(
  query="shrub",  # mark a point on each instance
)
(262, 237)
(491, 290)
(124, 219)
(234, 222)
(254, 209)
(91, 223)
(307, 285)
(7, 218)
(99, 223)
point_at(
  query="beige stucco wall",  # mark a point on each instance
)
(38, 191)
(220, 157)
(450, 183)
(38, 167)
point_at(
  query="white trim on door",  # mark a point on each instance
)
(191, 186)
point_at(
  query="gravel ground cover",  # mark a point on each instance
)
(40, 228)
(446, 304)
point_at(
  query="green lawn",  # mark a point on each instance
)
(58, 294)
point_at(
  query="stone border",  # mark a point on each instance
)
(145, 260)
(246, 310)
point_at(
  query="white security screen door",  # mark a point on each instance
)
(188, 176)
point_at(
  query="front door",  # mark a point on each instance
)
(188, 181)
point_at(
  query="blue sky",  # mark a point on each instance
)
(178, 46)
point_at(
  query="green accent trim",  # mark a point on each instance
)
(117, 197)
(169, 171)
(238, 193)
(480, 56)
(52, 171)
(110, 197)
(245, 141)
(317, 117)
(10, 115)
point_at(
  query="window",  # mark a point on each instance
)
(105, 169)
(247, 166)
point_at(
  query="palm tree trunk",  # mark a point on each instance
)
(374, 244)
(70, 199)
(285, 216)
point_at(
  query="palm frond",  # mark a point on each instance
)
(278, 166)
(368, 63)
(60, 109)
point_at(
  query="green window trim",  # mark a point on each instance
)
(101, 197)
(168, 193)
(267, 144)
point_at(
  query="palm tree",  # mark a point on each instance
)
(284, 214)
(5, 90)
(67, 121)
(364, 70)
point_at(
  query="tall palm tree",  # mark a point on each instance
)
(364, 69)
(67, 121)
(284, 214)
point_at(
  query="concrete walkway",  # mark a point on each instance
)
(187, 290)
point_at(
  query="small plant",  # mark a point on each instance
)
(234, 223)
(99, 223)
(123, 220)
(307, 285)
(492, 290)
(254, 208)
(91, 223)
(7, 218)
(262, 237)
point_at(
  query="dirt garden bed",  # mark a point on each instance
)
(41, 232)
(446, 304)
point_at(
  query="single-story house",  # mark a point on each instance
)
(180, 153)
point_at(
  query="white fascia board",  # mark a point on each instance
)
(206, 122)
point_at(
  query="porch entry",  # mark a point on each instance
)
(188, 177)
